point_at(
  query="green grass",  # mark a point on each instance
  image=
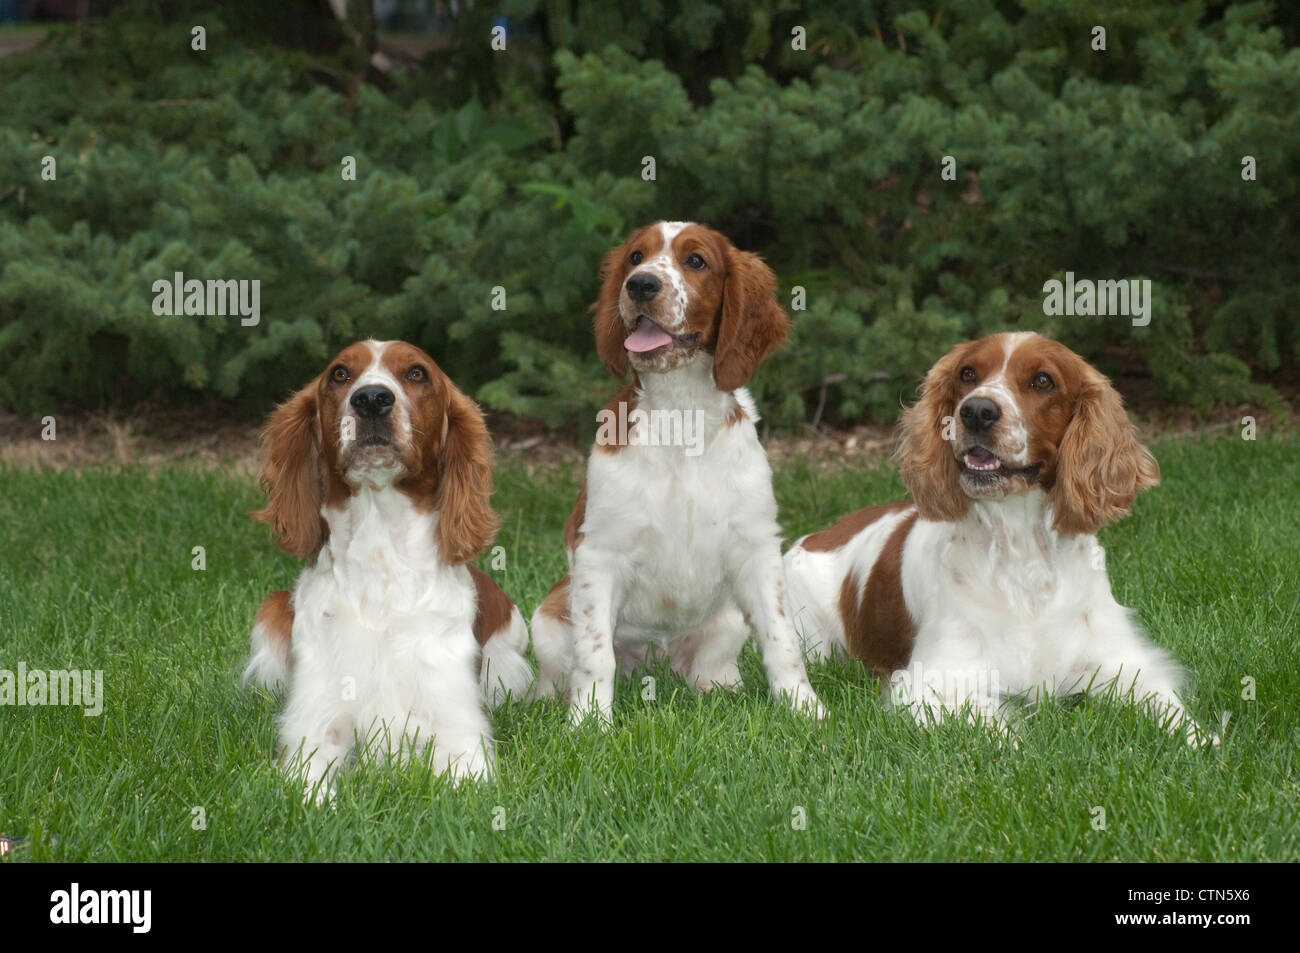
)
(95, 572)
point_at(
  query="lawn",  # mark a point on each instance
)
(96, 572)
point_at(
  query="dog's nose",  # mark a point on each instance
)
(371, 402)
(643, 287)
(979, 413)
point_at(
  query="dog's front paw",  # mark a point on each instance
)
(473, 765)
(1198, 737)
(804, 700)
(320, 794)
(580, 714)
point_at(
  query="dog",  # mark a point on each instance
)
(673, 543)
(991, 584)
(379, 472)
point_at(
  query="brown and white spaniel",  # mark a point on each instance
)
(990, 585)
(379, 471)
(673, 544)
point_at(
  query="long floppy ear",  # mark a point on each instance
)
(926, 462)
(609, 328)
(1101, 466)
(753, 324)
(291, 476)
(466, 520)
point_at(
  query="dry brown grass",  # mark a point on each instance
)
(208, 440)
(115, 440)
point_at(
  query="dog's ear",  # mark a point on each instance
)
(609, 327)
(466, 521)
(291, 475)
(924, 455)
(1101, 466)
(752, 324)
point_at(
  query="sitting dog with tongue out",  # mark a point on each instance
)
(673, 543)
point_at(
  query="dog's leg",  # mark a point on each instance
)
(814, 580)
(504, 671)
(1143, 673)
(594, 612)
(761, 595)
(707, 657)
(936, 688)
(1116, 656)
(313, 752)
(461, 740)
(552, 634)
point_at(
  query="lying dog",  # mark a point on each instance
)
(991, 583)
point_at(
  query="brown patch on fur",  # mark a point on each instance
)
(751, 325)
(608, 326)
(450, 460)
(877, 626)
(494, 606)
(926, 462)
(573, 525)
(736, 416)
(466, 521)
(707, 286)
(840, 533)
(291, 476)
(556, 603)
(355, 358)
(1101, 466)
(275, 616)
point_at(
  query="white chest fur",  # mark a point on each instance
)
(677, 549)
(383, 642)
(1005, 592)
(675, 525)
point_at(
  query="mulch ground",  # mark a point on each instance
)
(212, 438)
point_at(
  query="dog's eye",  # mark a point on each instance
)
(416, 375)
(695, 262)
(968, 375)
(636, 258)
(1042, 382)
(340, 375)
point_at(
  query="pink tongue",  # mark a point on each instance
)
(647, 336)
